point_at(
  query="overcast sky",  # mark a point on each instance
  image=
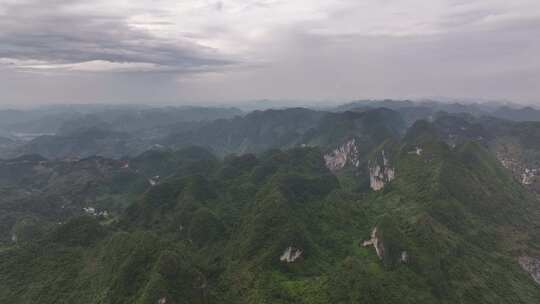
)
(199, 51)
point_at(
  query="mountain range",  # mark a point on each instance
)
(369, 202)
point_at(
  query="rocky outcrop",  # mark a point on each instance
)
(162, 301)
(154, 180)
(380, 171)
(520, 169)
(291, 254)
(343, 155)
(92, 211)
(507, 162)
(380, 175)
(417, 150)
(382, 251)
(527, 177)
(404, 257)
(531, 266)
(376, 243)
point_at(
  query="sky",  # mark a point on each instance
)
(233, 51)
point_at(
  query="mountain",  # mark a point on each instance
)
(255, 132)
(61, 132)
(128, 120)
(359, 206)
(7, 144)
(84, 143)
(51, 191)
(439, 222)
(5, 141)
(522, 114)
(415, 110)
(514, 144)
(122, 118)
(276, 129)
(57, 132)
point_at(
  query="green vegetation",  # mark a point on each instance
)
(279, 227)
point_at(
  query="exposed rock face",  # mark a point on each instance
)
(162, 301)
(509, 161)
(519, 169)
(527, 177)
(125, 165)
(343, 155)
(375, 181)
(531, 266)
(404, 257)
(154, 180)
(92, 211)
(417, 150)
(380, 175)
(291, 254)
(376, 243)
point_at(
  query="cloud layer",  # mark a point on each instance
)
(196, 50)
(58, 34)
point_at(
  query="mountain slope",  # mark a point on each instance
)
(452, 226)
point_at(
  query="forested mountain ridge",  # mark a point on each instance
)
(352, 207)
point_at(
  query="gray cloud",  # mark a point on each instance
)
(49, 32)
(235, 50)
(486, 63)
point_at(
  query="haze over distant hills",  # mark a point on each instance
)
(115, 130)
